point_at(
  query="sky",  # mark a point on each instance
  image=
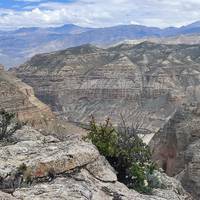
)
(97, 13)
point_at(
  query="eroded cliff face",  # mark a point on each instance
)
(145, 82)
(18, 97)
(67, 169)
(176, 148)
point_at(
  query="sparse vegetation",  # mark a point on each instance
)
(104, 137)
(126, 152)
(22, 168)
(26, 172)
(8, 125)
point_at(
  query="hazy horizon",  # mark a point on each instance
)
(62, 25)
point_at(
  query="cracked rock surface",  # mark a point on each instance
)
(65, 170)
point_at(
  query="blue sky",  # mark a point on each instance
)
(20, 4)
(97, 13)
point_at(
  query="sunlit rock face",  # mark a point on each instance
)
(18, 97)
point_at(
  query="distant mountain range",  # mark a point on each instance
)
(19, 45)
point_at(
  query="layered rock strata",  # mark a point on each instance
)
(18, 97)
(145, 83)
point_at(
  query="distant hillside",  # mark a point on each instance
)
(143, 82)
(180, 39)
(19, 45)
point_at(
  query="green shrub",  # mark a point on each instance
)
(104, 137)
(126, 152)
(8, 125)
(22, 168)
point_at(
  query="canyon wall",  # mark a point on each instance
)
(145, 83)
(176, 147)
(18, 97)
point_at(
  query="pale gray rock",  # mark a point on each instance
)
(170, 183)
(42, 153)
(5, 196)
(102, 170)
(192, 170)
(167, 194)
(67, 170)
(84, 186)
(26, 133)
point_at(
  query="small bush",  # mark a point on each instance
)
(26, 173)
(8, 125)
(22, 168)
(126, 152)
(104, 137)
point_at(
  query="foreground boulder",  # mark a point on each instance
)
(42, 167)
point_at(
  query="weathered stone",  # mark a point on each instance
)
(43, 153)
(5, 196)
(191, 176)
(102, 170)
(176, 148)
(81, 186)
(68, 170)
(84, 186)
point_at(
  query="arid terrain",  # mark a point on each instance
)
(104, 111)
(38, 166)
(155, 87)
(145, 83)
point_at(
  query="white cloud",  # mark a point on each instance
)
(101, 13)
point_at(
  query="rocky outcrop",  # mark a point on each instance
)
(44, 167)
(176, 148)
(191, 173)
(5, 196)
